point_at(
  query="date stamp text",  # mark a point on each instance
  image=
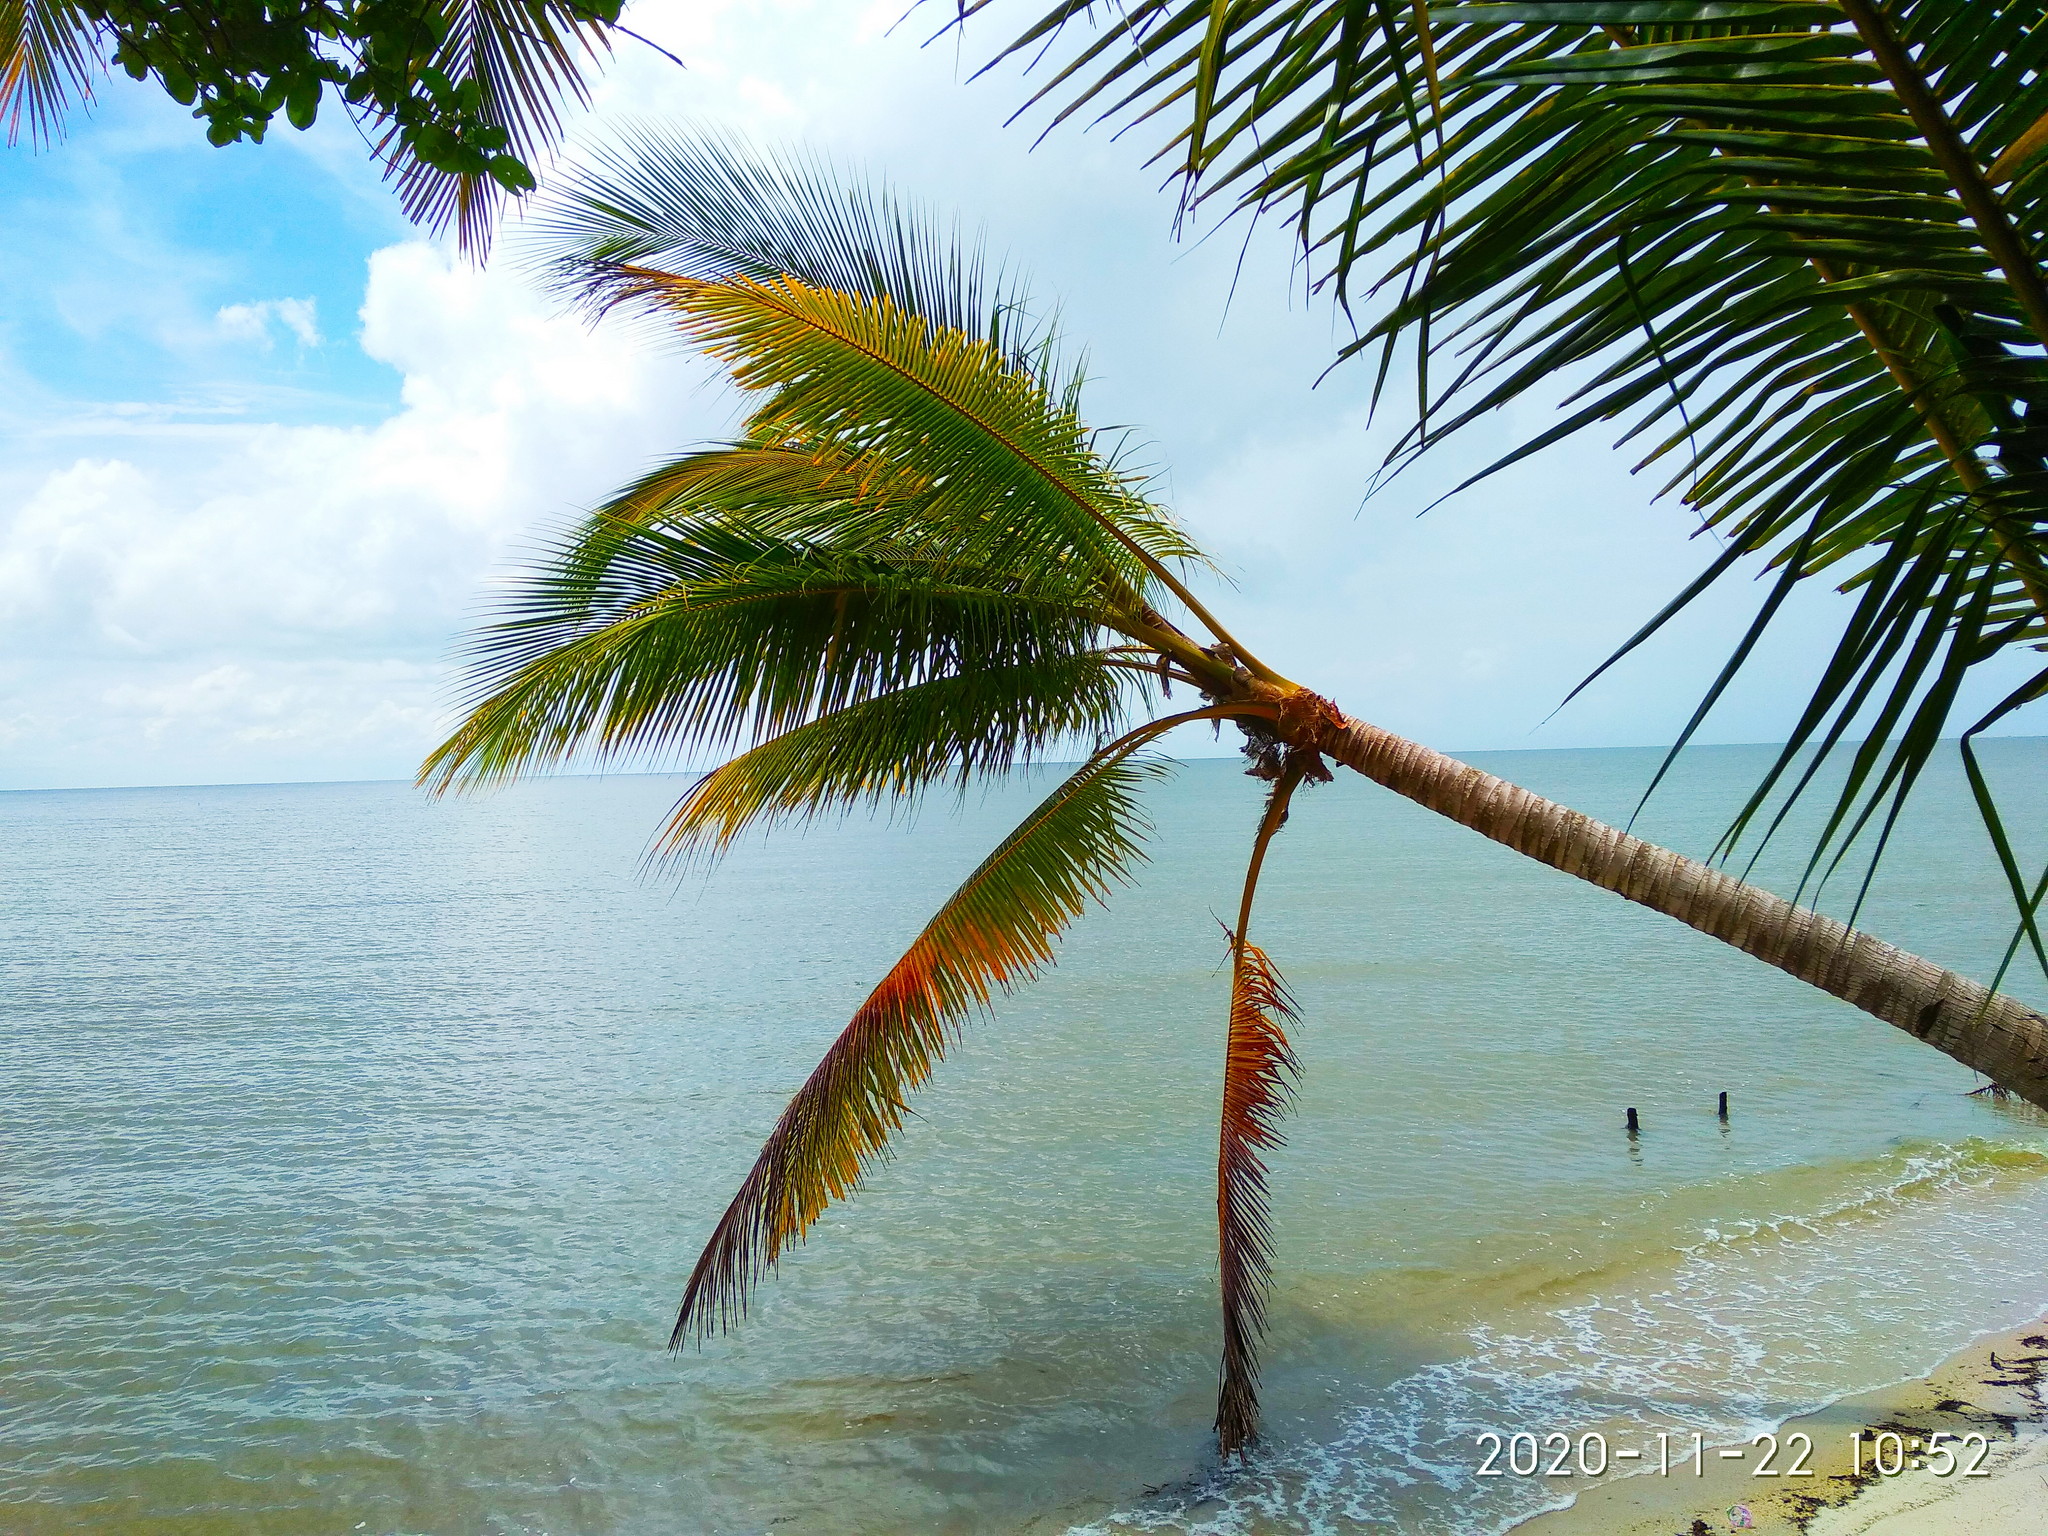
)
(1887, 1453)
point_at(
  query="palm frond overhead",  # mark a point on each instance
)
(46, 61)
(528, 60)
(998, 929)
(1789, 245)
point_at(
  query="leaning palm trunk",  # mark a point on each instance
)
(1987, 1031)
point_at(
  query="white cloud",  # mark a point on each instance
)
(254, 322)
(236, 601)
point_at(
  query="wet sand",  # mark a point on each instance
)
(1994, 1389)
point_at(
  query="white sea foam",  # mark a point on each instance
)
(1755, 1322)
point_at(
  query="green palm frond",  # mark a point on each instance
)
(887, 751)
(817, 498)
(821, 494)
(771, 482)
(527, 60)
(997, 930)
(681, 636)
(1787, 244)
(1017, 478)
(48, 56)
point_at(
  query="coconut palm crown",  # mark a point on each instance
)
(916, 566)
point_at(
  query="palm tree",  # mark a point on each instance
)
(917, 566)
(1793, 244)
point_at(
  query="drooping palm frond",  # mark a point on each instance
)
(47, 58)
(886, 751)
(1259, 1072)
(997, 930)
(1259, 1069)
(1790, 244)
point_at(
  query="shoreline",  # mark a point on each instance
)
(1996, 1387)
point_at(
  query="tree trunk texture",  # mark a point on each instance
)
(1987, 1031)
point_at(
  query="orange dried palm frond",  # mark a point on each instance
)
(996, 931)
(1259, 1072)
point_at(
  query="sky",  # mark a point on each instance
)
(268, 447)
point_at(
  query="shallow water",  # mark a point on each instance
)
(353, 1148)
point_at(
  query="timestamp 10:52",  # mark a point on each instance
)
(1560, 1455)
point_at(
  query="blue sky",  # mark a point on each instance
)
(126, 240)
(267, 445)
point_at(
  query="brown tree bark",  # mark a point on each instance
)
(1987, 1031)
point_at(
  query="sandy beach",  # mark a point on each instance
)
(1994, 1389)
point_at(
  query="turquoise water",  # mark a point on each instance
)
(353, 1149)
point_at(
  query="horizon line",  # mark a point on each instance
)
(677, 773)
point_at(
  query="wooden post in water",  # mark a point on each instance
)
(1633, 1124)
(1724, 1103)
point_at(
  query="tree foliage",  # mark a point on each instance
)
(458, 97)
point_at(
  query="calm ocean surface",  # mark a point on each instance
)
(354, 1148)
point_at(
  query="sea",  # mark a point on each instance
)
(355, 1145)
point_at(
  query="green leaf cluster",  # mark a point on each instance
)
(460, 96)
